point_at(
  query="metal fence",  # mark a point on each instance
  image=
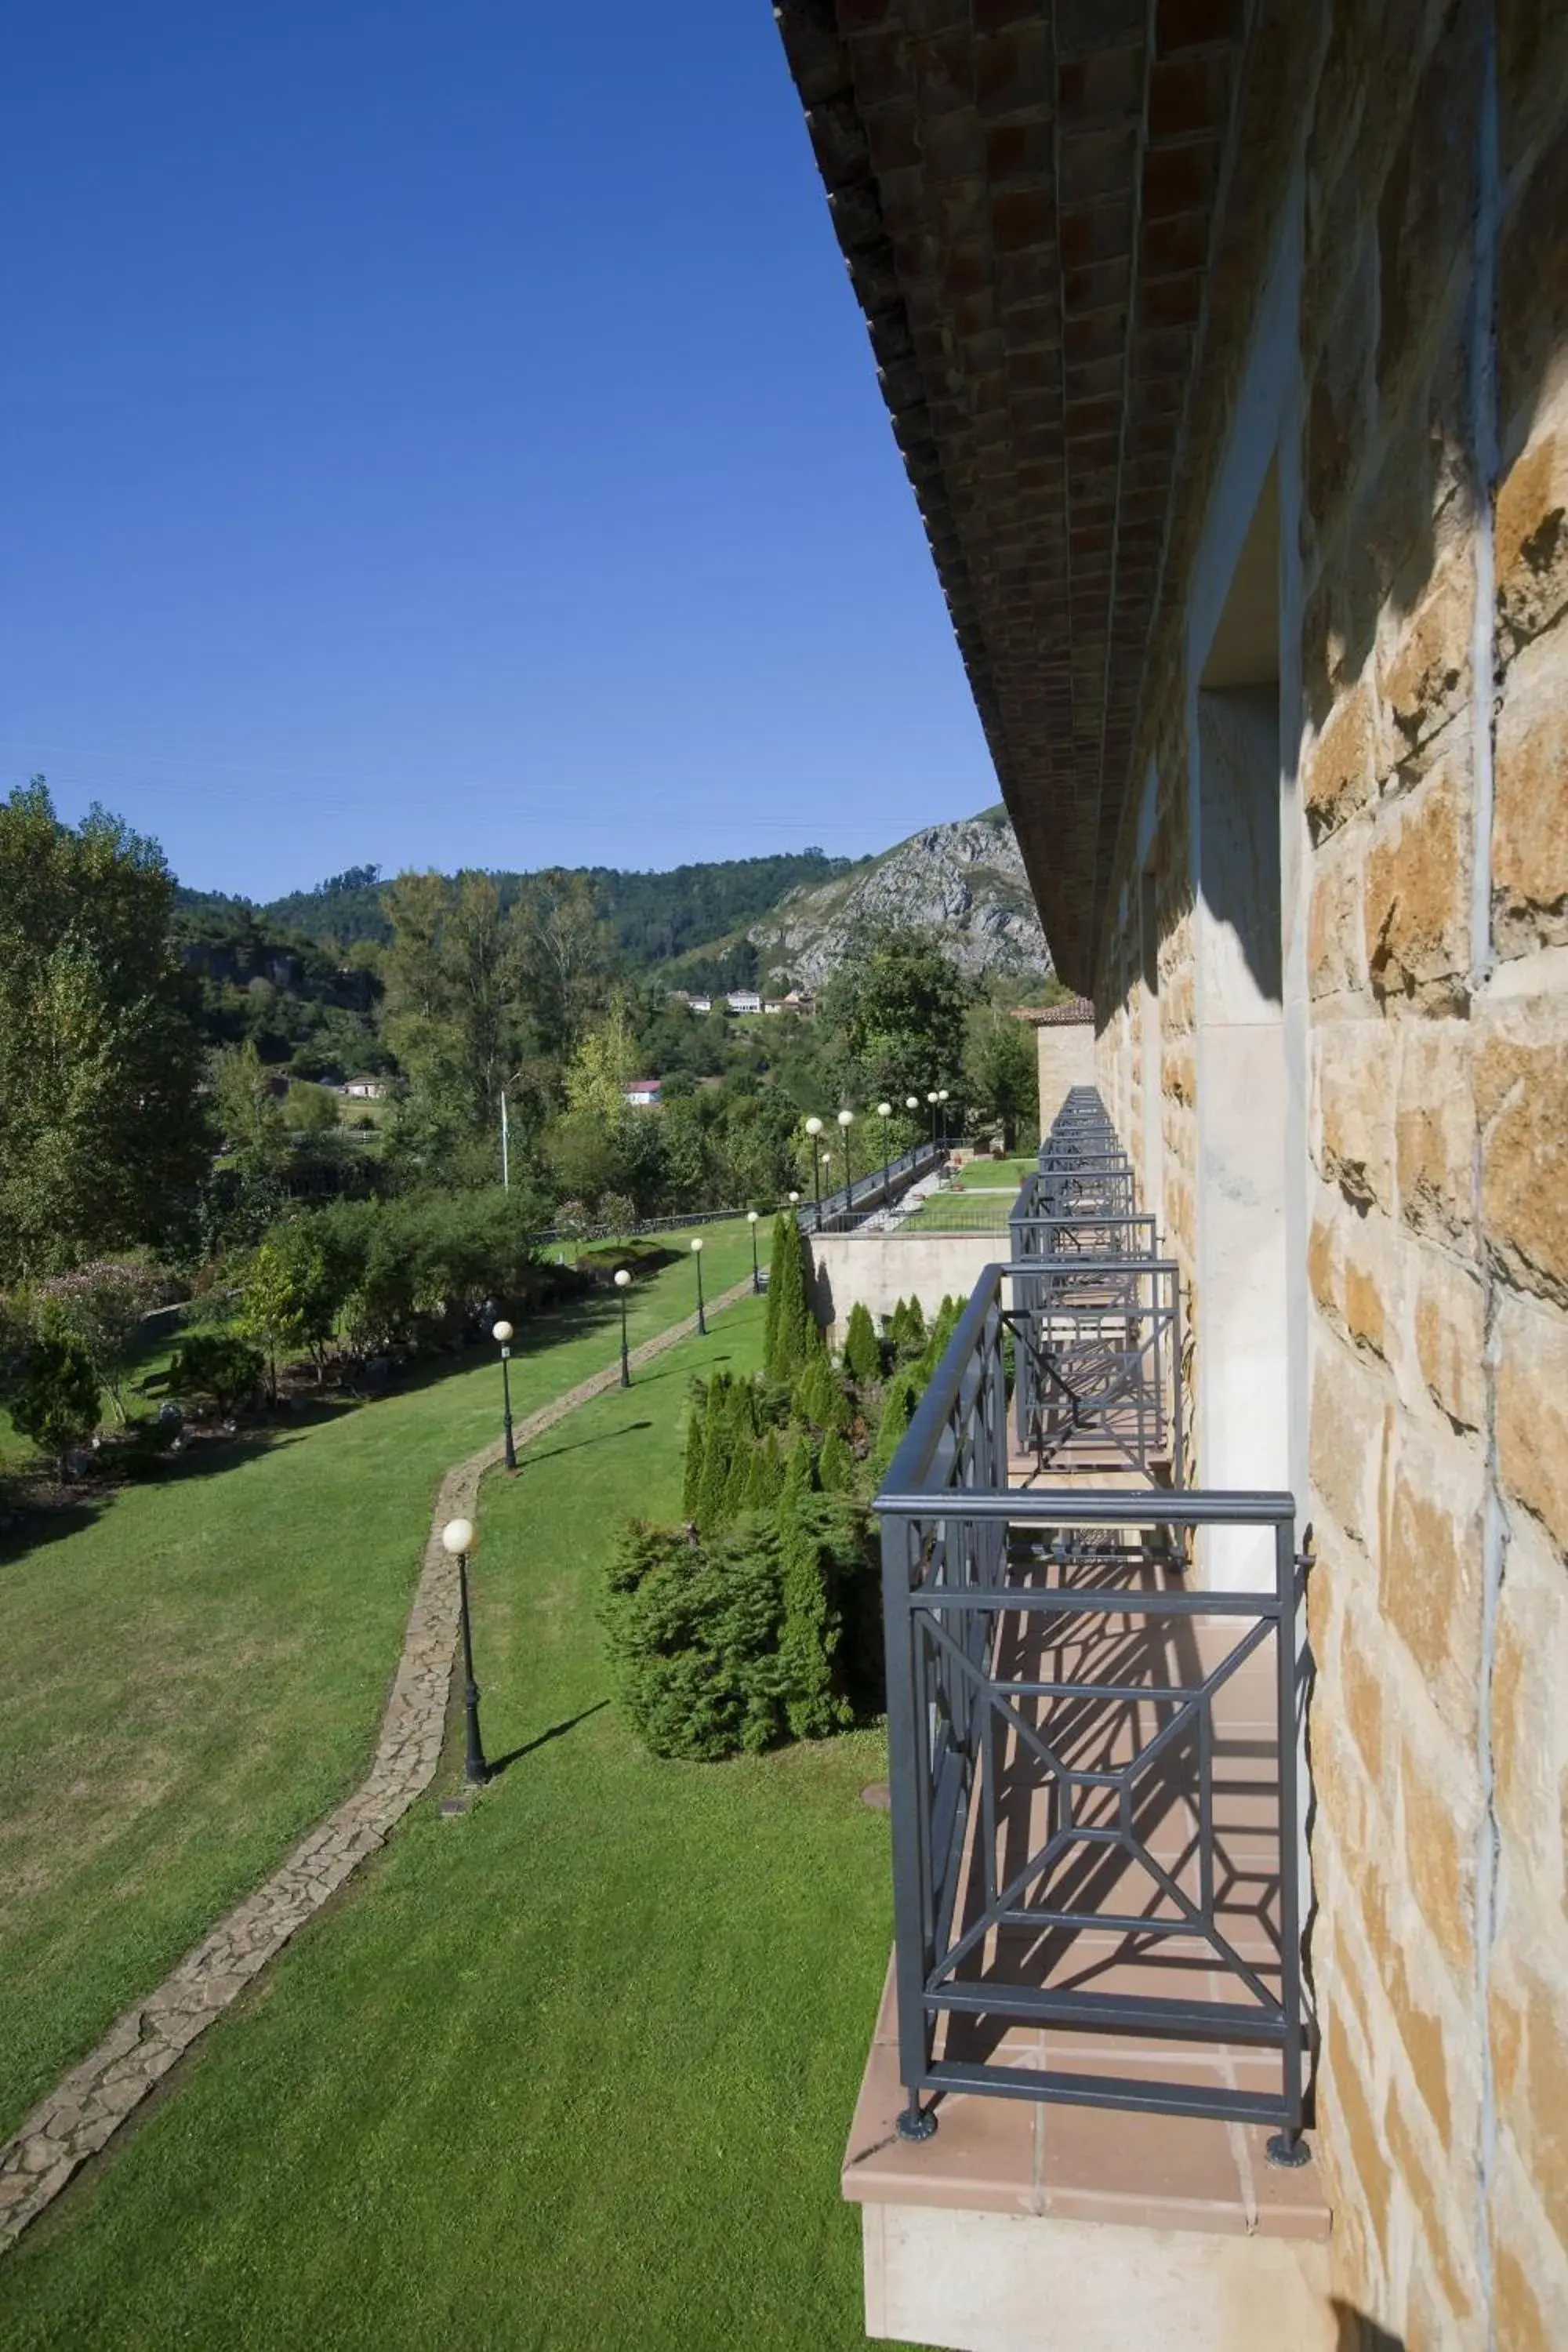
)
(846, 1210)
(1092, 1766)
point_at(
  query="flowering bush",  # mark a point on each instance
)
(102, 1307)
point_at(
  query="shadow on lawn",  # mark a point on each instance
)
(35, 1523)
(626, 1429)
(542, 1738)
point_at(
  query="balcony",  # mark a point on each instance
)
(1094, 2012)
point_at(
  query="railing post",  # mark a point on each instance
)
(1286, 2146)
(908, 1798)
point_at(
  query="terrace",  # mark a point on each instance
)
(1096, 1677)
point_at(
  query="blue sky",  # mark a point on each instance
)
(443, 434)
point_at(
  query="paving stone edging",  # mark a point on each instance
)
(86, 2107)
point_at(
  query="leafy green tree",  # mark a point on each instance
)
(56, 1403)
(309, 1109)
(250, 1115)
(102, 1140)
(862, 1353)
(1001, 1076)
(565, 954)
(281, 1285)
(455, 991)
(894, 1015)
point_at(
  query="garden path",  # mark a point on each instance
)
(86, 2107)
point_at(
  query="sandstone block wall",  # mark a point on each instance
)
(1433, 762)
(1064, 1052)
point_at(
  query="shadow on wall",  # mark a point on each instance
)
(1360, 2334)
(1388, 334)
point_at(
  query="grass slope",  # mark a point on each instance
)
(573, 2072)
(195, 1672)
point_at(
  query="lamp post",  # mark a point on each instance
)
(912, 1105)
(942, 1099)
(846, 1121)
(756, 1269)
(501, 1334)
(932, 1098)
(885, 1112)
(457, 1539)
(697, 1253)
(813, 1129)
(623, 1284)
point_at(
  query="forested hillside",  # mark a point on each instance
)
(652, 917)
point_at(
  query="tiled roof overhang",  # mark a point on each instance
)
(1026, 193)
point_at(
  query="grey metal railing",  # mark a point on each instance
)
(1081, 1747)
(842, 1212)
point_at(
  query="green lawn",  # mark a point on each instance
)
(960, 1212)
(982, 1174)
(573, 2072)
(191, 1672)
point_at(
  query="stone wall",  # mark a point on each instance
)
(1065, 1050)
(1433, 542)
(875, 1270)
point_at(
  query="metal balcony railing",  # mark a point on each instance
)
(1092, 1766)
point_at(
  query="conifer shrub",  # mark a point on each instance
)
(713, 1483)
(725, 1646)
(216, 1364)
(696, 1432)
(900, 1399)
(800, 1477)
(56, 1402)
(819, 1397)
(836, 1465)
(789, 1333)
(862, 1351)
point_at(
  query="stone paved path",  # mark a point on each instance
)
(84, 2110)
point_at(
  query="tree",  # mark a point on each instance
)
(453, 976)
(789, 1332)
(1001, 1073)
(894, 1015)
(311, 1110)
(603, 1067)
(566, 955)
(102, 1140)
(862, 1354)
(250, 1115)
(216, 1364)
(282, 1296)
(104, 1307)
(56, 1402)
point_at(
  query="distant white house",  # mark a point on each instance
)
(797, 1001)
(694, 1004)
(366, 1090)
(743, 999)
(645, 1094)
